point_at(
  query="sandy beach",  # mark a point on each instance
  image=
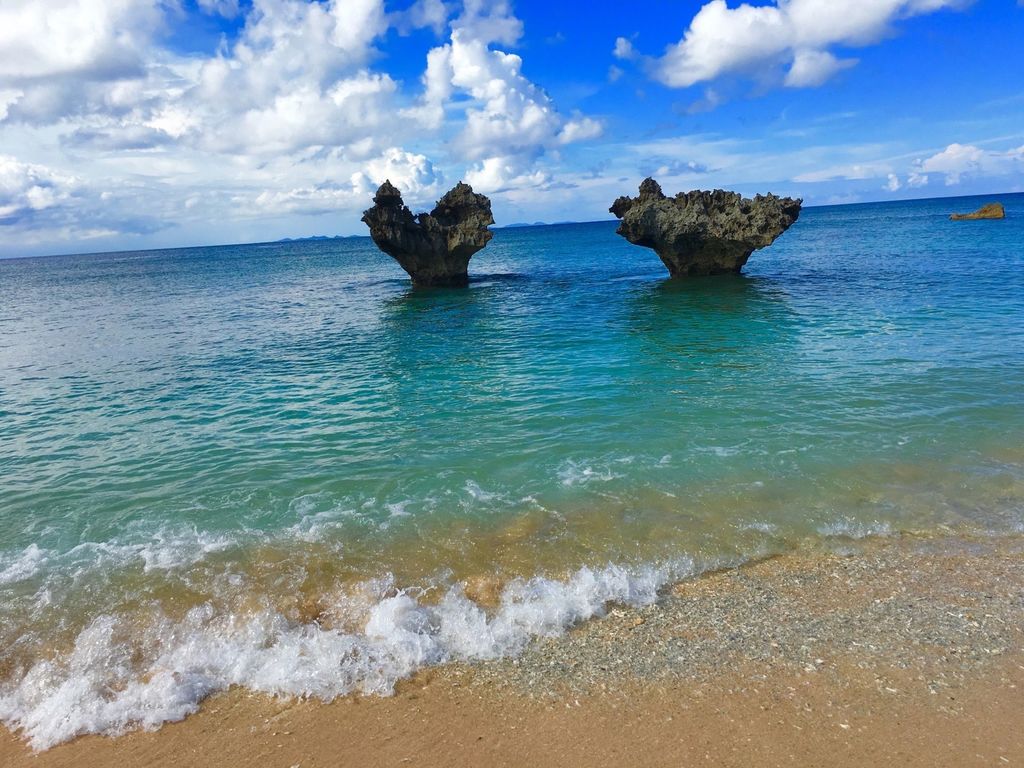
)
(906, 652)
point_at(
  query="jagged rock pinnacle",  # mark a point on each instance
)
(703, 233)
(434, 248)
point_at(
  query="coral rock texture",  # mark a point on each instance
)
(703, 233)
(434, 248)
(988, 211)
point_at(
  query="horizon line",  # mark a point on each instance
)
(514, 225)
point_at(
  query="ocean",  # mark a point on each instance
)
(280, 467)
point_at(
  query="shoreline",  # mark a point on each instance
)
(796, 659)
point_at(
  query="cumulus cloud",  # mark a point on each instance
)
(296, 78)
(955, 163)
(27, 189)
(915, 179)
(792, 36)
(413, 173)
(422, 14)
(68, 57)
(580, 128)
(812, 68)
(501, 174)
(292, 113)
(94, 39)
(508, 123)
(229, 9)
(37, 200)
(959, 160)
(507, 114)
(624, 50)
(291, 55)
(489, 21)
(8, 98)
(188, 135)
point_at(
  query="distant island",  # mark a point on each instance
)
(538, 224)
(316, 237)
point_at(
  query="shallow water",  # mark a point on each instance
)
(277, 465)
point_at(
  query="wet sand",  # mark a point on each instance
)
(907, 652)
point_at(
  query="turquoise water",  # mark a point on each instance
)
(279, 466)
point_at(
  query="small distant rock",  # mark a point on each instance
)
(988, 211)
(434, 248)
(700, 232)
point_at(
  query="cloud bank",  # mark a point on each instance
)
(294, 114)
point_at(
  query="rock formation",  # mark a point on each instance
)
(988, 211)
(703, 233)
(434, 248)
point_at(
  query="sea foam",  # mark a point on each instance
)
(119, 676)
(163, 549)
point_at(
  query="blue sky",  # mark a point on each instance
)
(149, 123)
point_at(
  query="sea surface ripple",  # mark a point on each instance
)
(280, 466)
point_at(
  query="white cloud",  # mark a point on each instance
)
(292, 114)
(708, 103)
(290, 54)
(437, 89)
(295, 79)
(229, 9)
(501, 174)
(489, 21)
(312, 200)
(958, 160)
(508, 114)
(812, 68)
(39, 203)
(8, 97)
(159, 137)
(26, 189)
(580, 128)
(414, 174)
(101, 39)
(305, 116)
(624, 50)
(955, 162)
(916, 180)
(67, 57)
(508, 123)
(431, 14)
(793, 35)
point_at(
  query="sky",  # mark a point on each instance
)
(131, 124)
